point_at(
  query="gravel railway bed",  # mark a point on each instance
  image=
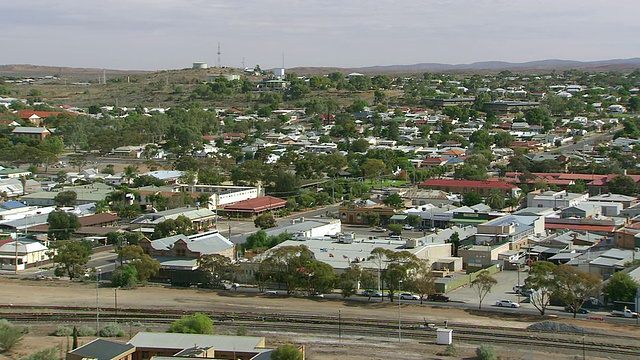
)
(328, 325)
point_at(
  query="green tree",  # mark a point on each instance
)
(395, 228)
(371, 218)
(414, 220)
(574, 286)
(454, 239)
(471, 198)
(62, 225)
(624, 185)
(145, 265)
(541, 280)
(66, 198)
(373, 168)
(421, 279)
(71, 257)
(495, 199)
(620, 287)
(219, 269)
(10, 336)
(181, 225)
(348, 279)
(482, 284)
(125, 277)
(197, 323)
(265, 221)
(286, 352)
(394, 200)
(360, 145)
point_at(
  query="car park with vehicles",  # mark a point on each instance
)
(408, 296)
(438, 297)
(507, 303)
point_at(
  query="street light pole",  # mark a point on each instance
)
(399, 313)
(340, 326)
(98, 302)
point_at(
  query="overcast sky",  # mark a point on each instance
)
(172, 34)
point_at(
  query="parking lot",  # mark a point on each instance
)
(503, 290)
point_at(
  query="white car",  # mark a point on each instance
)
(507, 303)
(407, 227)
(408, 296)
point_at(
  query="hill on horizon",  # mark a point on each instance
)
(22, 70)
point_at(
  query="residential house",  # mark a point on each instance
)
(554, 199)
(27, 252)
(35, 133)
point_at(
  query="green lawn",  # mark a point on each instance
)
(385, 183)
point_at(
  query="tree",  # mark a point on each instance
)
(471, 198)
(10, 336)
(125, 277)
(495, 199)
(620, 287)
(265, 221)
(421, 280)
(348, 279)
(394, 200)
(197, 323)
(373, 168)
(71, 257)
(379, 256)
(372, 218)
(395, 228)
(482, 284)
(624, 185)
(454, 239)
(218, 267)
(574, 286)
(66, 198)
(414, 220)
(181, 225)
(45, 354)
(360, 145)
(541, 280)
(61, 225)
(286, 352)
(145, 265)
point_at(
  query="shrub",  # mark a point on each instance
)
(46, 354)
(85, 330)
(197, 323)
(486, 352)
(9, 336)
(62, 331)
(450, 350)
(112, 330)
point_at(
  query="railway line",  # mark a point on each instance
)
(592, 343)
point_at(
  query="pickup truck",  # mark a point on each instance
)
(624, 313)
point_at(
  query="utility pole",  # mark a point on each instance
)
(98, 302)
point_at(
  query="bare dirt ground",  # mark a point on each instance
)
(64, 293)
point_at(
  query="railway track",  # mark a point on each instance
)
(328, 325)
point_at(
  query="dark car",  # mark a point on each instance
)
(438, 297)
(569, 309)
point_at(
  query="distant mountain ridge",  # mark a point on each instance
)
(18, 70)
(551, 64)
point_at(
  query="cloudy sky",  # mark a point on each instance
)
(172, 34)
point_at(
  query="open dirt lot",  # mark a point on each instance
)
(62, 293)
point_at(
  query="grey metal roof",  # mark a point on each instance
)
(209, 242)
(101, 349)
(183, 341)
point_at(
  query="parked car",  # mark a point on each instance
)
(270, 293)
(372, 293)
(526, 293)
(517, 288)
(438, 297)
(408, 296)
(507, 303)
(569, 309)
(407, 227)
(378, 229)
